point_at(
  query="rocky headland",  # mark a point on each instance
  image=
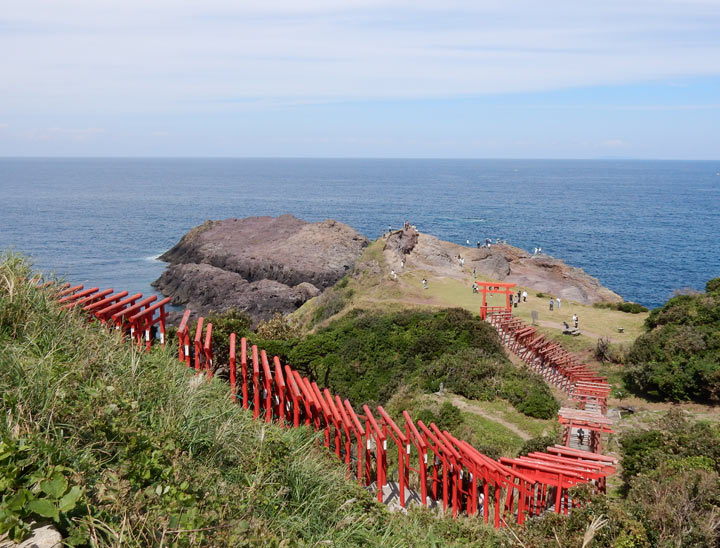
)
(261, 265)
(264, 265)
(501, 262)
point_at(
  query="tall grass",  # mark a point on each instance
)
(164, 458)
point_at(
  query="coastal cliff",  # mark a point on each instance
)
(261, 265)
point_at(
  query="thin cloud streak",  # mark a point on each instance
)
(136, 57)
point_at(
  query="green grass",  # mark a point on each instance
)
(489, 432)
(162, 457)
(503, 408)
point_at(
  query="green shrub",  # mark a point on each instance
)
(540, 295)
(630, 308)
(713, 286)
(674, 437)
(678, 358)
(539, 443)
(448, 418)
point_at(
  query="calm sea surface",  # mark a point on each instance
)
(644, 228)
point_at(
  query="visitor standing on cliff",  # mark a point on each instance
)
(559, 303)
(551, 304)
(575, 320)
(424, 282)
(524, 296)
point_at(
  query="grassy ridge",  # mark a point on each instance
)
(162, 459)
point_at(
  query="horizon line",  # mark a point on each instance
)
(191, 157)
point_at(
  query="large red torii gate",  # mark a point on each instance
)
(494, 287)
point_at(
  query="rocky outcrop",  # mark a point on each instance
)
(500, 262)
(41, 536)
(261, 265)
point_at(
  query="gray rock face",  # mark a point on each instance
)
(262, 265)
(491, 263)
(45, 536)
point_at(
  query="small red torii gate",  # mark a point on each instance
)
(493, 287)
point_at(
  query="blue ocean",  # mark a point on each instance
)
(643, 228)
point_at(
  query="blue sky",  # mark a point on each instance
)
(363, 78)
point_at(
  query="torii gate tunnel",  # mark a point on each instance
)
(433, 468)
(494, 287)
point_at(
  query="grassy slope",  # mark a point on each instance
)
(372, 287)
(166, 460)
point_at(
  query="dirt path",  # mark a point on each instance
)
(470, 408)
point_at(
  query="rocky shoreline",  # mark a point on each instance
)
(265, 265)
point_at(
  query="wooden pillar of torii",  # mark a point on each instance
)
(494, 287)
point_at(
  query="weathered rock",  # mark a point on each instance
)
(41, 536)
(262, 265)
(500, 262)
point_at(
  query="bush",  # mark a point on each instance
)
(277, 328)
(539, 443)
(674, 437)
(630, 308)
(448, 418)
(678, 358)
(604, 352)
(540, 295)
(713, 286)
(678, 503)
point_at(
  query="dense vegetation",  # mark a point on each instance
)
(679, 356)
(672, 481)
(366, 356)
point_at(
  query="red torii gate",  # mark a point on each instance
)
(493, 287)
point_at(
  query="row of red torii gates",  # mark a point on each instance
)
(555, 365)
(432, 466)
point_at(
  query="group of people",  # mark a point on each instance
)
(406, 226)
(488, 242)
(537, 251)
(521, 297)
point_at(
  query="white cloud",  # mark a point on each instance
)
(197, 56)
